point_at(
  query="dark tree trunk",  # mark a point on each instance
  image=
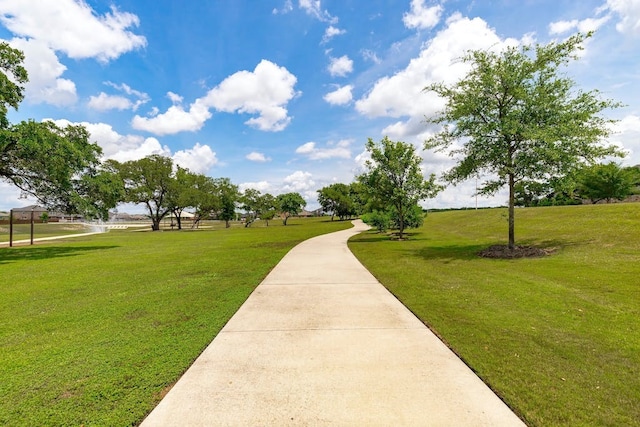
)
(512, 237)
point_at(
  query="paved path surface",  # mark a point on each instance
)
(321, 343)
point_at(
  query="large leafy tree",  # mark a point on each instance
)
(40, 158)
(607, 182)
(393, 178)
(149, 181)
(290, 204)
(228, 196)
(184, 193)
(250, 200)
(337, 199)
(518, 118)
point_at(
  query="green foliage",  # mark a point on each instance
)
(149, 181)
(607, 182)
(381, 220)
(47, 161)
(338, 199)
(11, 86)
(520, 119)
(555, 337)
(96, 329)
(394, 179)
(414, 217)
(290, 204)
(41, 159)
(228, 194)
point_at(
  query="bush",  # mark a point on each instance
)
(378, 219)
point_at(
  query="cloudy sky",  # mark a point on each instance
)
(281, 95)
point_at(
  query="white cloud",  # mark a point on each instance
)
(286, 8)
(45, 71)
(104, 102)
(119, 147)
(340, 66)
(254, 156)
(314, 8)
(265, 92)
(298, 181)
(175, 119)
(583, 26)
(370, 56)
(340, 96)
(199, 159)
(629, 13)
(331, 32)
(627, 134)
(422, 17)
(73, 27)
(337, 150)
(261, 186)
(174, 97)
(401, 95)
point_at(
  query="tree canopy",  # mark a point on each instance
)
(149, 181)
(607, 182)
(517, 118)
(394, 178)
(290, 204)
(40, 158)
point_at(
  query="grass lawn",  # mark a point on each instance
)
(558, 338)
(94, 330)
(23, 231)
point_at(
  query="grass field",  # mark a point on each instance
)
(23, 231)
(558, 338)
(95, 329)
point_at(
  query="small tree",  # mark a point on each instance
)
(290, 204)
(394, 179)
(267, 207)
(518, 118)
(251, 204)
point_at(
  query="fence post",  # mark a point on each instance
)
(11, 228)
(32, 226)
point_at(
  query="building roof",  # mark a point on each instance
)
(35, 208)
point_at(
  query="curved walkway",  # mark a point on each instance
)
(321, 342)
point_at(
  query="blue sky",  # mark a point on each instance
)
(281, 95)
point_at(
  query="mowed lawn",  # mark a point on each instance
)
(94, 330)
(558, 338)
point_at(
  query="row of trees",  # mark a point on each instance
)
(61, 168)
(514, 118)
(165, 189)
(596, 183)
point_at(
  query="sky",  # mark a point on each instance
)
(282, 95)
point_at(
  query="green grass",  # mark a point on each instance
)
(23, 231)
(558, 337)
(94, 330)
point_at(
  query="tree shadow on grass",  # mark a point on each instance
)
(448, 253)
(31, 253)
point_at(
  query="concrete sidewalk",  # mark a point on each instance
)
(321, 343)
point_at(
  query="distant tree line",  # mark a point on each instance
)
(596, 183)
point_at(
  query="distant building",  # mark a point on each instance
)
(24, 214)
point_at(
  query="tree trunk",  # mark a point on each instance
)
(512, 238)
(155, 224)
(401, 218)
